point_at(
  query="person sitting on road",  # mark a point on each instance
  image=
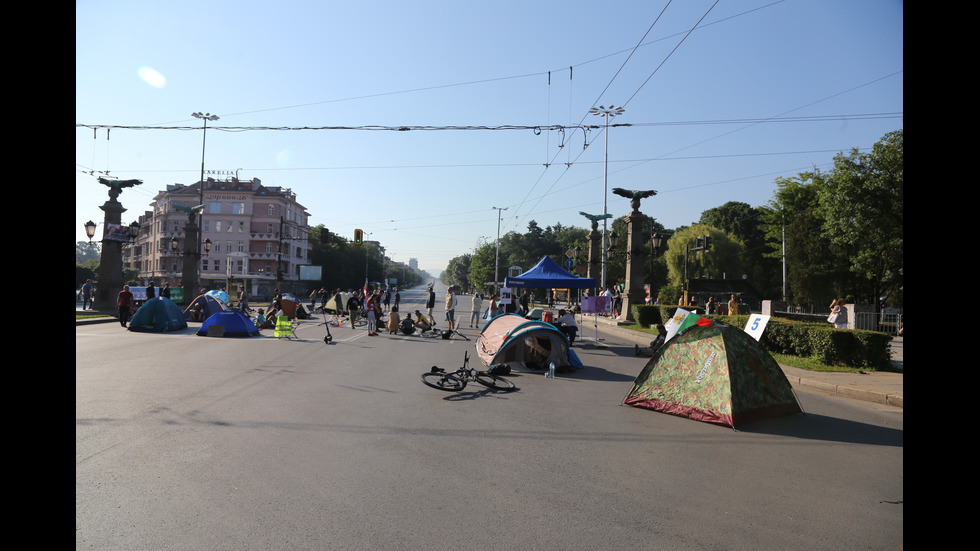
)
(261, 321)
(394, 320)
(407, 326)
(423, 323)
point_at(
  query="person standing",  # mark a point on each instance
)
(732, 306)
(370, 308)
(387, 299)
(124, 300)
(243, 300)
(525, 302)
(431, 303)
(151, 291)
(477, 310)
(494, 308)
(352, 306)
(87, 294)
(165, 292)
(398, 298)
(451, 309)
(840, 319)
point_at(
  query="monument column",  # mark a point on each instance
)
(110, 280)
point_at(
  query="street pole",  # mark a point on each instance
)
(606, 113)
(496, 266)
(200, 217)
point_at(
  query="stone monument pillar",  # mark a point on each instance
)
(634, 292)
(110, 264)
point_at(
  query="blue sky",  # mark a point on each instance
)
(760, 89)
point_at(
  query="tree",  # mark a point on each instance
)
(744, 223)
(816, 268)
(458, 272)
(722, 259)
(482, 263)
(862, 203)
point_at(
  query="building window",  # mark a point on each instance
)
(227, 246)
(207, 226)
(229, 226)
(176, 226)
(238, 208)
(241, 246)
(204, 265)
(217, 225)
(268, 248)
(268, 228)
(215, 208)
(241, 227)
(272, 210)
(217, 265)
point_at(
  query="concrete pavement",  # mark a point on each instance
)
(879, 387)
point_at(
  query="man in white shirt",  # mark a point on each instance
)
(566, 324)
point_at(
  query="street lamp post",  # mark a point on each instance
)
(606, 113)
(496, 266)
(200, 218)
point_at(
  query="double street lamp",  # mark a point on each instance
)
(606, 113)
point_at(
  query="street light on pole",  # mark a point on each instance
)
(606, 113)
(496, 266)
(200, 217)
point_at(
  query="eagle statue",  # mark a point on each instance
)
(634, 196)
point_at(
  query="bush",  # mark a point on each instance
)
(851, 347)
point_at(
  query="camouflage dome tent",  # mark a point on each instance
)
(714, 373)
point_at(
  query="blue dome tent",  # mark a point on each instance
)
(228, 323)
(209, 307)
(157, 315)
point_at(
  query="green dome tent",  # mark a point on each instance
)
(714, 373)
(531, 344)
(158, 314)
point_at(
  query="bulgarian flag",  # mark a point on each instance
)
(682, 321)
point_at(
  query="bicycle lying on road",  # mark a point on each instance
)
(439, 378)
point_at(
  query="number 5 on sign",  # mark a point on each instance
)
(756, 325)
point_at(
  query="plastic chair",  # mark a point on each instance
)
(284, 327)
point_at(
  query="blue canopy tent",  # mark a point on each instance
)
(228, 323)
(547, 274)
(157, 315)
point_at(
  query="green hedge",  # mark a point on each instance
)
(851, 347)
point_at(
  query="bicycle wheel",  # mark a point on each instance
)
(360, 320)
(443, 381)
(494, 381)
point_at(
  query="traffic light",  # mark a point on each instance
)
(707, 241)
(358, 237)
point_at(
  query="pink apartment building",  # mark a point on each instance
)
(257, 235)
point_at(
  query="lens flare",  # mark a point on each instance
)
(152, 77)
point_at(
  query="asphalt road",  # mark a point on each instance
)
(187, 442)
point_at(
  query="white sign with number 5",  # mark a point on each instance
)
(756, 325)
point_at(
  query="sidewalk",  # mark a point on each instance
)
(880, 387)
